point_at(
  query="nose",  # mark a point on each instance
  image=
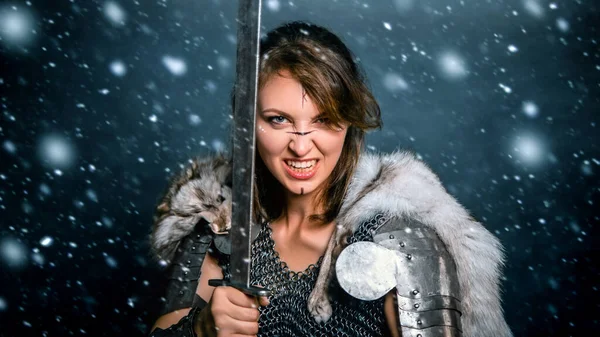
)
(301, 144)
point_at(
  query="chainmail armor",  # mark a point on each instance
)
(288, 315)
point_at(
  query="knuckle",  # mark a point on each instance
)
(218, 320)
(215, 308)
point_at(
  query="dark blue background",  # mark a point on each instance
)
(509, 122)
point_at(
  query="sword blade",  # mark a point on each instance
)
(244, 118)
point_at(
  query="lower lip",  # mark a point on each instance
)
(301, 175)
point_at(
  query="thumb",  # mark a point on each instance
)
(263, 301)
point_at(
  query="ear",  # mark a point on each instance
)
(163, 207)
(222, 169)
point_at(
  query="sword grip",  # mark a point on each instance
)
(248, 290)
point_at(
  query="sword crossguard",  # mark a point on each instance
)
(248, 290)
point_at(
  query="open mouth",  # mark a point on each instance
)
(301, 165)
(301, 169)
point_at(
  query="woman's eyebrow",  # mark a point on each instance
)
(285, 114)
(275, 110)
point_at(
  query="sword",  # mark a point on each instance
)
(244, 117)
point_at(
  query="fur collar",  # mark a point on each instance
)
(397, 184)
(201, 190)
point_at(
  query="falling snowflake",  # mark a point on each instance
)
(218, 145)
(45, 189)
(403, 5)
(273, 5)
(57, 151)
(115, 13)
(529, 149)
(195, 119)
(174, 65)
(223, 63)
(10, 147)
(46, 241)
(506, 88)
(91, 194)
(394, 82)
(111, 262)
(586, 168)
(13, 253)
(534, 8)
(452, 65)
(562, 24)
(118, 68)
(530, 109)
(16, 26)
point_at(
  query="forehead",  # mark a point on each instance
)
(283, 92)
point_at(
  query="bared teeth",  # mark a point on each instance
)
(301, 169)
(300, 164)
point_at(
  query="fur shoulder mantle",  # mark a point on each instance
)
(397, 184)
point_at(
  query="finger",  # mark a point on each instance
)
(245, 314)
(263, 301)
(240, 299)
(229, 325)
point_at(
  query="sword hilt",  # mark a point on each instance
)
(248, 290)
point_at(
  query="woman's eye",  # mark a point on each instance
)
(277, 119)
(322, 120)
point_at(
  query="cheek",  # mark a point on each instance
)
(269, 142)
(334, 143)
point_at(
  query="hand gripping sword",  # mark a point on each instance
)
(244, 117)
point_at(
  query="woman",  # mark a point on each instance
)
(316, 193)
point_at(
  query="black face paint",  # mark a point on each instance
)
(300, 133)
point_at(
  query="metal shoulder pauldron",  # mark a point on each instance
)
(409, 256)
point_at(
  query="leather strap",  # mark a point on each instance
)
(184, 272)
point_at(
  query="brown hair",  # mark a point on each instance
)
(320, 61)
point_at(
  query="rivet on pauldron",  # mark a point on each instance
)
(419, 335)
(391, 236)
(188, 262)
(417, 305)
(415, 292)
(193, 247)
(419, 322)
(402, 244)
(409, 256)
(185, 273)
(198, 236)
(181, 293)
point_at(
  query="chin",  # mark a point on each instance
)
(294, 187)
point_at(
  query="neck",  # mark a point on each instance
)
(298, 209)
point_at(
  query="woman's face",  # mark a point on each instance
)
(293, 140)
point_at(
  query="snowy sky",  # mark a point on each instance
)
(101, 101)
